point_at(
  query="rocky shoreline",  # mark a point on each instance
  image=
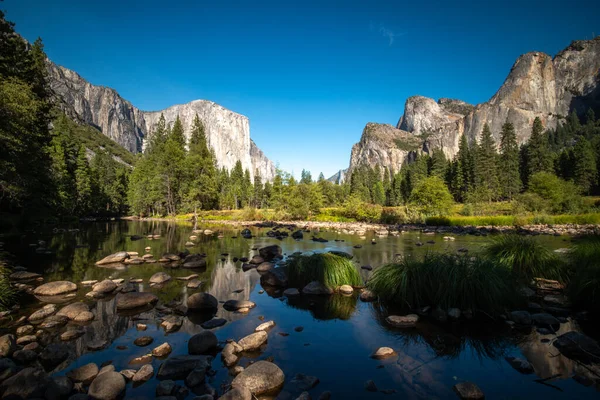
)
(395, 229)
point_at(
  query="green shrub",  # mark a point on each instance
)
(360, 211)
(584, 263)
(445, 280)
(525, 257)
(438, 221)
(432, 197)
(553, 194)
(329, 269)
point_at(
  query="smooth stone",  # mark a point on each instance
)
(26, 384)
(128, 374)
(179, 367)
(85, 316)
(104, 287)
(202, 343)
(141, 327)
(214, 323)
(71, 311)
(237, 393)
(228, 355)
(145, 359)
(23, 276)
(274, 277)
(42, 313)
(59, 388)
(265, 326)
(84, 374)
(195, 377)
(8, 345)
(172, 323)
(53, 321)
(143, 341)
(577, 346)
(545, 320)
(468, 391)
(107, 386)
(260, 377)
(270, 252)
(113, 258)
(202, 301)
(316, 288)
(24, 356)
(253, 341)
(55, 288)
(265, 266)
(367, 296)
(21, 331)
(194, 284)
(165, 388)
(403, 321)
(96, 345)
(346, 289)
(291, 292)
(162, 350)
(520, 318)
(54, 354)
(143, 374)
(383, 352)
(24, 340)
(129, 301)
(304, 382)
(233, 305)
(159, 277)
(71, 334)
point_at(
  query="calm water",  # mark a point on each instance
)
(339, 333)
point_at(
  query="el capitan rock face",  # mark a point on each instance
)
(227, 132)
(537, 86)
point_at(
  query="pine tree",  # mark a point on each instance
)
(585, 172)
(83, 183)
(305, 177)
(258, 200)
(486, 171)
(171, 168)
(466, 167)
(437, 164)
(538, 158)
(508, 165)
(177, 134)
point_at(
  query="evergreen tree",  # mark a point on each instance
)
(437, 164)
(585, 172)
(538, 158)
(486, 171)
(258, 197)
(306, 177)
(508, 165)
(83, 183)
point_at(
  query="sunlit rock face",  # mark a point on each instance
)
(537, 86)
(227, 132)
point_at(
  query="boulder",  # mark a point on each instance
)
(265, 326)
(25, 356)
(270, 252)
(253, 341)
(59, 387)
(256, 260)
(107, 386)
(520, 318)
(468, 391)
(274, 277)
(260, 377)
(73, 310)
(172, 323)
(545, 320)
(196, 377)
(23, 276)
(202, 302)
(577, 346)
(403, 321)
(159, 277)
(114, 258)
(316, 288)
(54, 321)
(55, 288)
(383, 352)
(128, 301)
(194, 261)
(305, 382)
(104, 287)
(298, 234)
(84, 374)
(21, 331)
(202, 343)
(71, 334)
(8, 345)
(53, 355)
(26, 384)
(85, 316)
(233, 305)
(180, 366)
(264, 267)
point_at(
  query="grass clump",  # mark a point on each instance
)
(525, 257)
(445, 280)
(584, 263)
(7, 292)
(326, 268)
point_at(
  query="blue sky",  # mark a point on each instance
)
(308, 74)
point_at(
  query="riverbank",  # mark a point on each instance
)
(396, 229)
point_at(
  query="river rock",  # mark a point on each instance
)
(229, 353)
(26, 384)
(577, 346)
(305, 382)
(95, 345)
(23, 276)
(291, 292)
(55, 288)
(159, 277)
(180, 366)
(71, 334)
(71, 311)
(172, 323)
(107, 386)
(59, 387)
(253, 341)
(202, 343)
(468, 391)
(163, 350)
(42, 313)
(195, 377)
(25, 340)
(53, 355)
(237, 393)
(21, 331)
(521, 365)
(367, 296)
(260, 377)
(114, 258)
(202, 302)
(104, 287)
(403, 321)
(8, 345)
(128, 374)
(274, 277)
(316, 288)
(54, 321)
(545, 320)
(233, 305)
(143, 341)
(521, 318)
(346, 289)
(214, 323)
(25, 356)
(265, 326)
(265, 266)
(133, 300)
(254, 261)
(383, 352)
(270, 252)
(84, 374)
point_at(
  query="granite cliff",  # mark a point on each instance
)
(537, 86)
(228, 133)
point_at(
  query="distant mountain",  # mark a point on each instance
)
(339, 177)
(227, 132)
(537, 86)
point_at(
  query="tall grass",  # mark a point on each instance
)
(584, 262)
(525, 257)
(329, 269)
(7, 292)
(445, 280)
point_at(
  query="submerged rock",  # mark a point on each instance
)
(233, 305)
(133, 300)
(26, 384)
(72, 311)
(214, 323)
(8, 345)
(114, 258)
(370, 386)
(468, 391)
(265, 326)
(383, 352)
(159, 277)
(304, 382)
(368, 296)
(143, 341)
(162, 350)
(577, 346)
(403, 321)
(202, 302)
(237, 393)
(270, 252)
(291, 292)
(202, 343)
(274, 277)
(84, 374)
(180, 366)
(316, 288)
(521, 318)
(260, 377)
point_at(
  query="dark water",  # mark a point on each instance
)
(339, 333)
